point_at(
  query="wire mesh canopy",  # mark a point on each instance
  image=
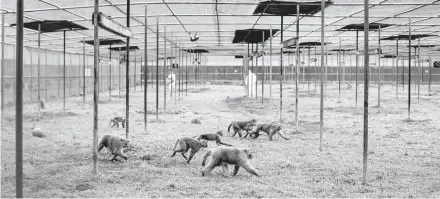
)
(285, 8)
(105, 42)
(53, 25)
(358, 27)
(252, 35)
(123, 48)
(216, 23)
(407, 37)
(196, 50)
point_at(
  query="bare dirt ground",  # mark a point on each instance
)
(404, 156)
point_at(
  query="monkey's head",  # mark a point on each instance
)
(124, 142)
(253, 121)
(204, 143)
(220, 133)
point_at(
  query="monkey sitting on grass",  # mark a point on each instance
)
(184, 144)
(269, 129)
(237, 126)
(213, 137)
(222, 156)
(115, 122)
(114, 145)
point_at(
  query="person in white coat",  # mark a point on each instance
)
(171, 80)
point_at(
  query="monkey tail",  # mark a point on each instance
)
(229, 128)
(283, 135)
(175, 145)
(206, 157)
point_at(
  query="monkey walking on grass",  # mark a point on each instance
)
(237, 126)
(114, 145)
(115, 122)
(184, 144)
(222, 156)
(213, 137)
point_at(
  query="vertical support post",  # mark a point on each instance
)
(366, 83)
(262, 77)
(38, 68)
(409, 71)
(157, 67)
(321, 107)
(339, 70)
(19, 102)
(397, 69)
(3, 69)
(110, 75)
(420, 69)
(134, 71)
(430, 70)
(256, 72)
(378, 64)
(127, 78)
(308, 67)
(64, 71)
(297, 69)
(95, 87)
(270, 64)
(357, 65)
(165, 67)
(145, 68)
(120, 71)
(45, 84)
(186, 72)
(281, 71)
(31, 74)
(84, 71)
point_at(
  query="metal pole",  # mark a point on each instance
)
(3, 69)
(157, 67)
(134, 71)
(297, 69)
(321, 108)
(357, 65)
(165, 67)
(281, 71)
(31, 74)
(315, 70)
(145, 69)
(270, 66)
(339, 71)
(64, 71)
(308, 67)
(84, 71)
(95, 88)
(120, 71)
(366, 83)
(38, 72)
(186, 72)
(409, 71)
(430, 70)
(397, 68)
(45, 86)
(256, 72)
(421, 71)
(378, 62)
(110, 74)
(262, 65)
(127, 78)
(19, 102)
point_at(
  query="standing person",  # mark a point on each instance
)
(171, 80)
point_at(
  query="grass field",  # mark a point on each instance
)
(404, 156)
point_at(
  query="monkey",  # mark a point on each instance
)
(222, 156)
(213, 137)
(270, 129)
(187, 143)
(114, 145)
(115, 122)
(237, 126)
(42, 103)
